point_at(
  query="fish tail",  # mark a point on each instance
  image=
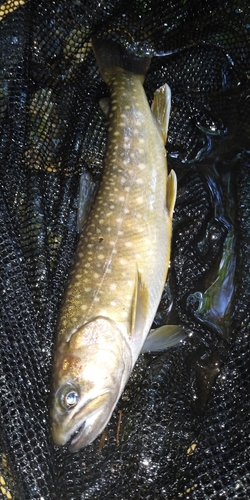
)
(110, 55)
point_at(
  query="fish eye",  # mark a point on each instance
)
(69, 398)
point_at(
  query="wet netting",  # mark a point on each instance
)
(181, 428)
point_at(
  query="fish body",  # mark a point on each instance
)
(122, 257)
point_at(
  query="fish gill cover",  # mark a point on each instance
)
(181, 429)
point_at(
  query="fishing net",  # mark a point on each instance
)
(181, 429)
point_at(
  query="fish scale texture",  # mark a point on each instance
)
(181, 429)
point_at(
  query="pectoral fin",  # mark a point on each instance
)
(139, 308)
(164, 337)
(161, 109)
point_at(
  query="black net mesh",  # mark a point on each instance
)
(181, 429)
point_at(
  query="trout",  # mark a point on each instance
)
(122, 258)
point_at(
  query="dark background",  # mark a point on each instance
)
(185, 412)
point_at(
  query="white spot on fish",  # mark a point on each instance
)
(113, 286)
(139, 200)
(84, 307)
(139, 181)
(101, 256)
(123, 262)
(138, 122)
(128, 244)
(103, 312)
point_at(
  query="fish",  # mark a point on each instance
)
(121, 260)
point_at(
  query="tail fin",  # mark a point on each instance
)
(109, 55)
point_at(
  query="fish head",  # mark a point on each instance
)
(89, 374)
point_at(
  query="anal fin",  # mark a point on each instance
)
(104, 104)
(171, 192)
(161, 109)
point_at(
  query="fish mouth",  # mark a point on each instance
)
(91, 422)
(77, 434)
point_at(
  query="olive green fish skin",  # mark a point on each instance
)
(128, 229)
(119, 269)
